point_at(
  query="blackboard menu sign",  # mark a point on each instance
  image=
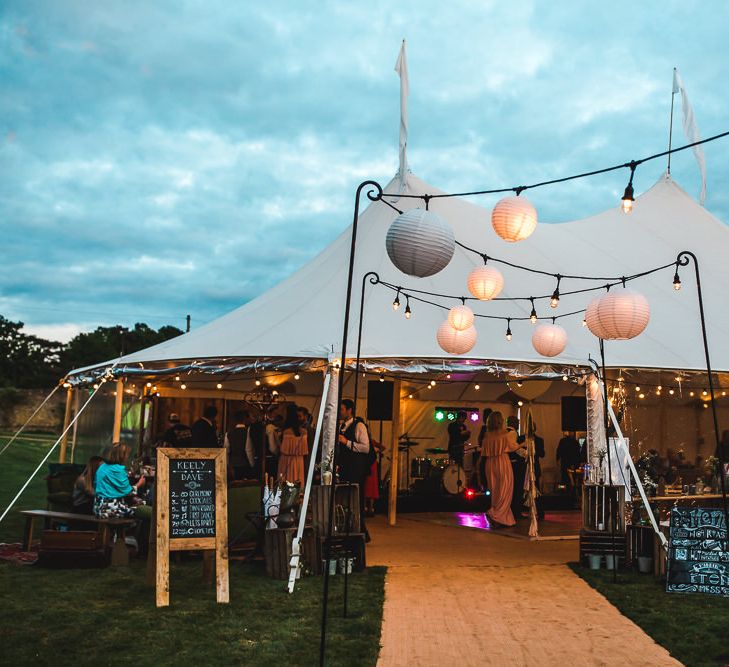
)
(192, 498)
(698, 558)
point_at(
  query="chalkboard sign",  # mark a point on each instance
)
(191, 513)
(698, 558)
(192, 498)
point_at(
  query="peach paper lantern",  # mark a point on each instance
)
(485, 282)
(460, 317)
(620, 314)
(453, 341)
(549, 339)
(514, 218)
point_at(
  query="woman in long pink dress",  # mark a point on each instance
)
(294, 447)
(497, 444)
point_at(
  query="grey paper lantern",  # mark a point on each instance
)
(420, 243)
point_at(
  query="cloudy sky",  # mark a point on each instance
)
(159, 158)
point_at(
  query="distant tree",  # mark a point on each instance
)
(26, 361)
(107, 343)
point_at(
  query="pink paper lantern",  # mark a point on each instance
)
(514, 218)
(485, 282)
(453, 341)
(460, 317)
(549, 340)
(620, 314)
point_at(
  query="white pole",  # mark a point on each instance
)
(35, 412)
(638, 483)
(50, 451)
(296, 543)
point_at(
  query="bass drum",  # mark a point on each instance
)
(454, 479)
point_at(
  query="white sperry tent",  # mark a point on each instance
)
(300, 320)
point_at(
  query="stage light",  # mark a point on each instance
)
(470, 494)
(487, 492)
(474, 416)
(439, 416)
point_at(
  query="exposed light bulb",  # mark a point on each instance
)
(432, 383)
(219, 386)
(641, 395)
(408, 312)
(671, 392)
(676, 281)
(554, 301)
(508, 329)
(396, 302)
(691, 394)
(477, 387)
(258, 383)
(628, 198)
(177, 378)
(183, 386)
(704, 393)
(584, 322)
(410, 395)
(520, 403)
(564, 378)
(637, 388)
(382, 377)
(149, 384)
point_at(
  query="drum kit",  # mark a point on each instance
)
(436, 473)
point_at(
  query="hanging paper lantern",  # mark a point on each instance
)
(549, 339)
(618, 315)
(420, 243)
(460, 317)
(514, 218)
(453, 341)
(485, 282)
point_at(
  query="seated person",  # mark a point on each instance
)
(82, 497)
(112, 486)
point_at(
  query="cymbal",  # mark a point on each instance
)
(436, 450)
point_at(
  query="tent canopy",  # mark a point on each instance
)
(301, 317)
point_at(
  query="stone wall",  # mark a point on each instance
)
(50, 418)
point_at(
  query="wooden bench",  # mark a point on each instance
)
(119, 553)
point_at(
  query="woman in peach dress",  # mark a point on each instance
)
(294, 447)
(497, 444)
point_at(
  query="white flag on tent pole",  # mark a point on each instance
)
(691, 130)
(401, 67)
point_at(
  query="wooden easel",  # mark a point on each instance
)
(171, 516)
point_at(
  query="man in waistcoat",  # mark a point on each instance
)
(353, 449)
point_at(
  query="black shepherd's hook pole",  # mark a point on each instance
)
(374, 280)
(683, 259)
(373, 194)
(609, 458)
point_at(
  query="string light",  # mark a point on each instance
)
(408, 312)
(219, 386)
(676, 280)
(396, 302)
(641, 395)
(177, 378)
(520, 403)
(508, 329)
(183, 386)
(637, 388)
(584, 322)
(704, 393)
(691, 394)
(432, 383)
(382, 377)
(149, 384)
(258, 383)
(671, 392)
(628, 198)
(564, 378)
(533, 314)
(410, 395)
(554, 301)
(297, 376)
(477, 387)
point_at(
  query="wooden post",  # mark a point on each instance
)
(222, 590)
(394, 463)
(118, 404)
(66, 422)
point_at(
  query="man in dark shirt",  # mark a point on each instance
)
(458, 435)
(203, 430)
(178, 434)
(568, 455)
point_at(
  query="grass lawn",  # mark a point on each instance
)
(16, 464)
(694, 628)
(105, 617)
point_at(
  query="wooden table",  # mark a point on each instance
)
(119, 553)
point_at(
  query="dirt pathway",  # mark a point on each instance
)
(458, 596)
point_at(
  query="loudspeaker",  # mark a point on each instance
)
(574, 413)
(379, 400)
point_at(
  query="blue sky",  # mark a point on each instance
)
(173, 157)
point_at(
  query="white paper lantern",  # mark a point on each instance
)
(514, 219)
(453, 341)
(460, 317)
(485, 282)
(549, 339)
(618, 315)
(420, 243)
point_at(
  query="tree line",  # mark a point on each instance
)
(31, 362)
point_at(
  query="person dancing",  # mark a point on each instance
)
(497, 444)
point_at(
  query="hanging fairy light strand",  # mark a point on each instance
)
(632, 165)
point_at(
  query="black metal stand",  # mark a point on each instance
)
(683, 259)
(373, 194)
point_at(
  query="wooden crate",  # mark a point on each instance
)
(344, 495)
(603, 504)
(601, 542)
(277, 550)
